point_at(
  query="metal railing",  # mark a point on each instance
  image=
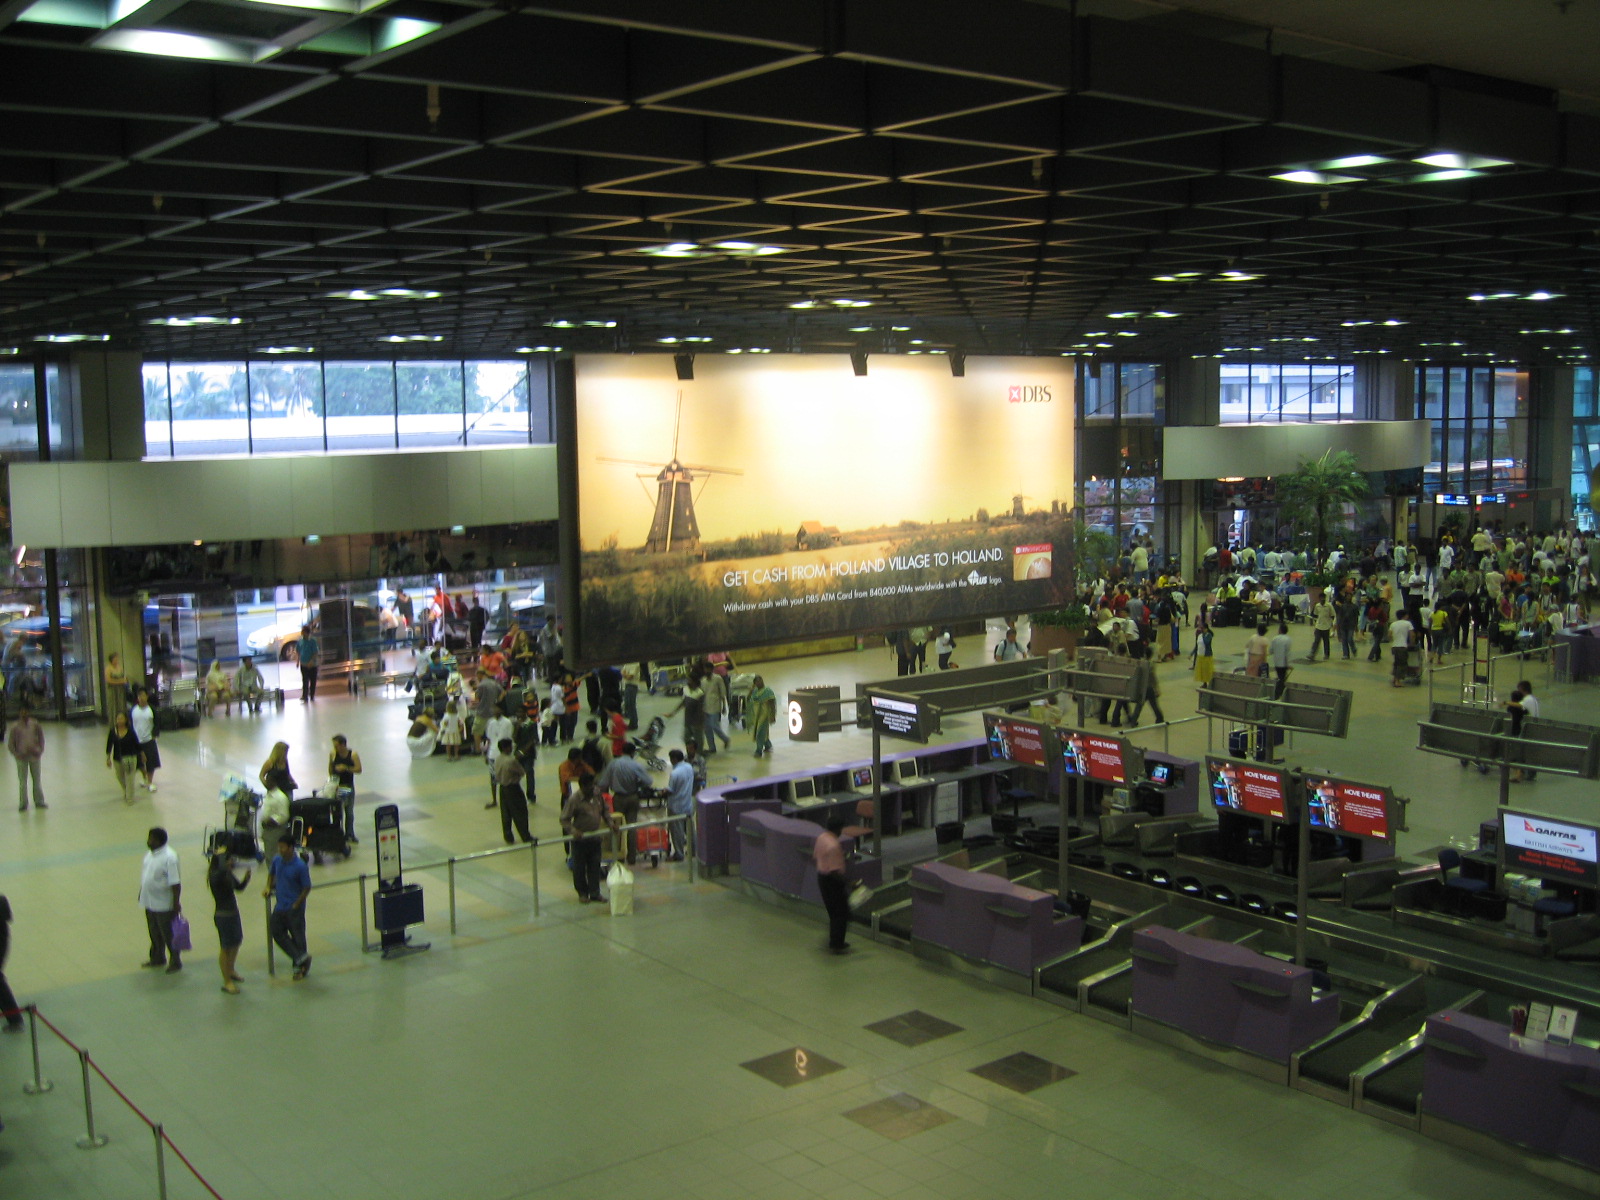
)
(1166, 731)
(1492, 667)
(617, 831)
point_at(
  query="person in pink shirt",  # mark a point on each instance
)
(828, 853)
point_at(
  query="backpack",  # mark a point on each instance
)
(590, 750)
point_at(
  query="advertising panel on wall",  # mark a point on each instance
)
(784, 498)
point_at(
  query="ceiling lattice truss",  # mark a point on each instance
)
(987, 178)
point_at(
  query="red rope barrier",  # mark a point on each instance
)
(121, 1095)
(184, 1158)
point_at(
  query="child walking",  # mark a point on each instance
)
(452, 730)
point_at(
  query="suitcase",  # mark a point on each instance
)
(188, 718)
(167, 719)
(653, 840)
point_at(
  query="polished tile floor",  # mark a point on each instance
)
(575, 1054)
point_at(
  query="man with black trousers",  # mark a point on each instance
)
(9, 1008)
(828, 853)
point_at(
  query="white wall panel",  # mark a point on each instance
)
(279, 496)
(1219, 451)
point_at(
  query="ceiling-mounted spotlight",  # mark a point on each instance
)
(858, 361)
(684, 365)
(958, 364)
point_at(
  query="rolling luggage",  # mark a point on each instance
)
(654, 842)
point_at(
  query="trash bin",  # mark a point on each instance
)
(949, 833)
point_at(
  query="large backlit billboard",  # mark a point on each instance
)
(783, 498)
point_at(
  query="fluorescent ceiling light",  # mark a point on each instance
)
(580, 324)
(1236, 277)
(188, 322)
(1315, 177)
(1460, 162)
(1123, 316)
(9, 350)
(287, 350)
(538, 349)
(1355, 160)
(1441, 176)
(1126, 333)
(63, 338)
(676, 250)
(397, 31)
(412, 337)
(173, 45)
(401, 293)
(1163, 313)
(899, 329)
(1543, 296)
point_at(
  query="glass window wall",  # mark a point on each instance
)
(276, 407)
(1585, 445)
(1255, 392)
(1120, 491)
(1480, 428)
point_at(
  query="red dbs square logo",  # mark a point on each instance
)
(1015, 396)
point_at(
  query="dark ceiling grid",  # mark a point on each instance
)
(997, 182)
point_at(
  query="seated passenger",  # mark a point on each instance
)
(422, 739)
(218, 690)
(248, 684)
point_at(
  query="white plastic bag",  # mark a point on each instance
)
(619, 882)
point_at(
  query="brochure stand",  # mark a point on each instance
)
(396, 904)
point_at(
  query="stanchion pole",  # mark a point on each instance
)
(38, 1085)
(533, 853)
(272, 962)
(161, 1161)
(451, 867)
(688, 847)
(90, 1140)
(361, 903)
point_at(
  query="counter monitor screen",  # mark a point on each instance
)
(1357, 809)
(861, 777)
(802, 789)
(1553, 850)
(1018, 741)
(1092, 756)
(1246, 787)
(1161, 774)
(907, 769)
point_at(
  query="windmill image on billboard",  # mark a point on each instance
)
(673, 527)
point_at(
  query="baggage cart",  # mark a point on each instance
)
(320, 820)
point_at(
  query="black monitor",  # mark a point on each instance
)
(802, 789)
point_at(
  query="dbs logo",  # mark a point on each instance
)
(1029, 393)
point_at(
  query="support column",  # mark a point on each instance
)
(1193, 397)
(100, 407)
(1385, 390)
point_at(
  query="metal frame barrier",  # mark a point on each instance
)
(449, 866)
(1546, 652)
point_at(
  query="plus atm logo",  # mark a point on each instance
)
(1023, 393)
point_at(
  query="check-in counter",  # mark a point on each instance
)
(1480, 1075)
(777, 851)
(1227, 994)
(1578, 651)
(989, 919)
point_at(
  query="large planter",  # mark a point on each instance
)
(1054, 637)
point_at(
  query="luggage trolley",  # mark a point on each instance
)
(241, 806)
(318, 824)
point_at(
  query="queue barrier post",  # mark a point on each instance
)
(272, 961)
(533, 853)
(161, 1160)
(361, 903)
(38, 1085)
(450, 866)
(90, 1140)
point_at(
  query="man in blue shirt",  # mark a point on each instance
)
(626, 780)
(309, 651)
(680, 800)
(290, 879)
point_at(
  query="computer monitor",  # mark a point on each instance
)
(1161, 774)
(1247, 787)
(802, 789)
(1356, 809)
(861, 777)
(907, 769)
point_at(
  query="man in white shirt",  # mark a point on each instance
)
(1323, 618)
(1279, 651)
(1400, 631)
(159, 892)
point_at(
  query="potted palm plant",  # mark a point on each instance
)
(1058, 628)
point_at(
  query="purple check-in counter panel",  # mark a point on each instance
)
(989, 919)
(777, 851)
(1479, 1074)
(1228, 994)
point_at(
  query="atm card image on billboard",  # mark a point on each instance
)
(784, 498)
(1031, 562)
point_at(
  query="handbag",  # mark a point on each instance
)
(619, 883)
(180, 934)
(859, 895)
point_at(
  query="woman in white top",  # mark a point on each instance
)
(218, 689)
(143, 718)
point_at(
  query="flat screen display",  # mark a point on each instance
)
(802, 789)
(1246, 787)
(861, 777)
(1551, 849)
(908, 768)
(1161, 774)
(1092, 756)
(764, 500)
(1018, 741)
(898, 718)
(1357, 809)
